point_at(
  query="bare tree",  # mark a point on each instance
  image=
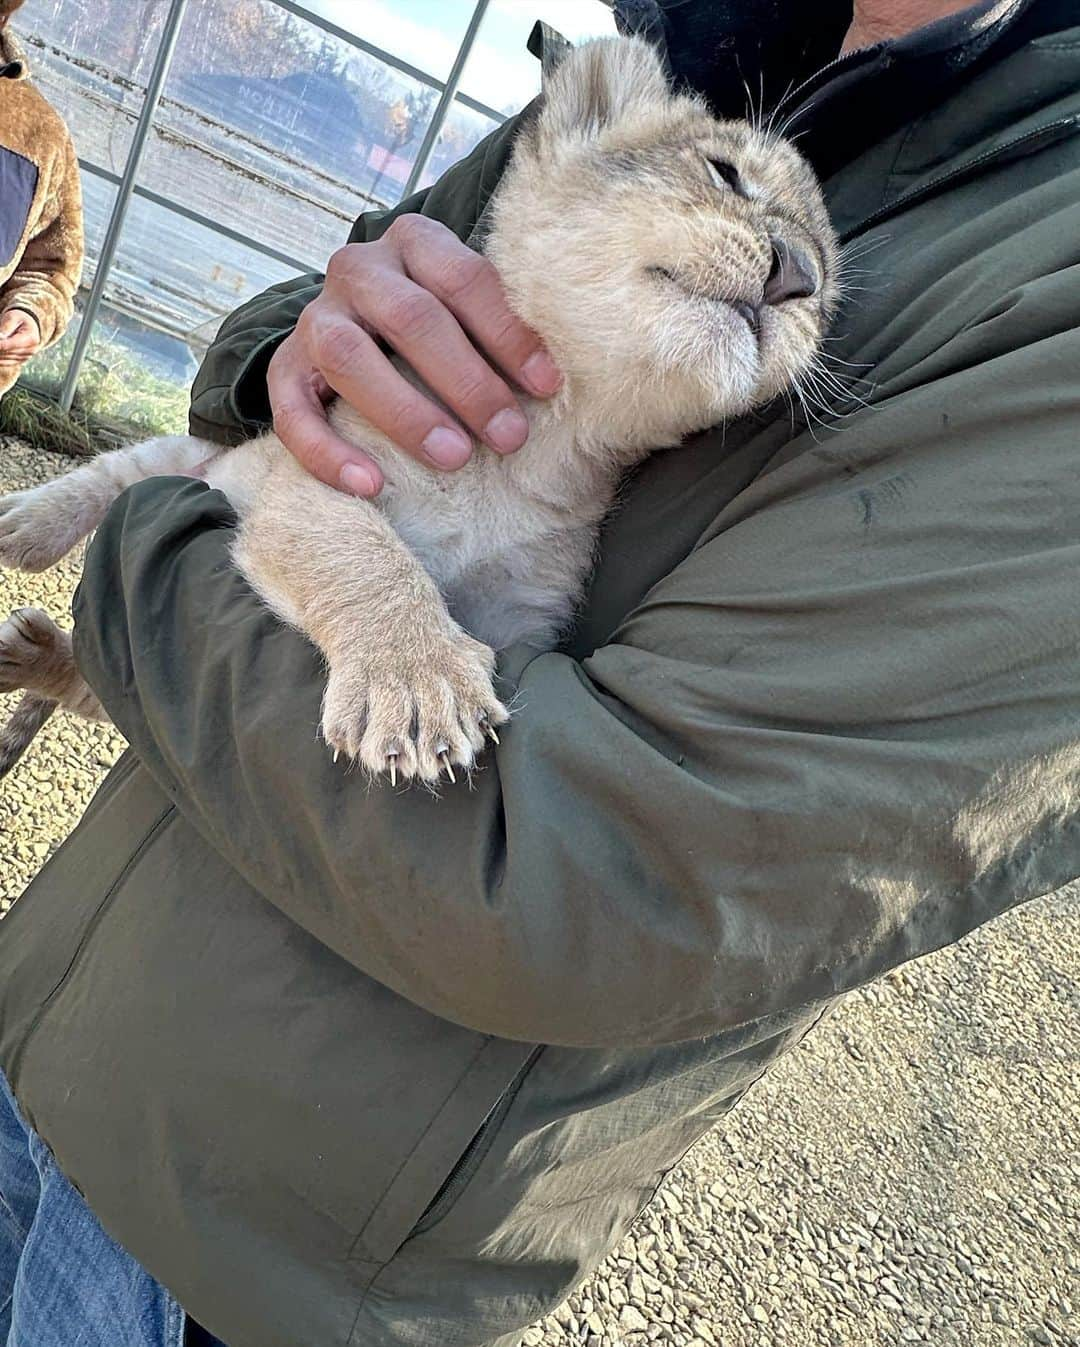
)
(406, 122)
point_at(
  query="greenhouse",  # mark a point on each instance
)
(227, 145)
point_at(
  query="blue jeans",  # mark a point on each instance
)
(62, 1279)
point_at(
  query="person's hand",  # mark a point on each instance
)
(20, 336)
(441, 307)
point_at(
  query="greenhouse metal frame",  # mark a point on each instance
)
(127, 184)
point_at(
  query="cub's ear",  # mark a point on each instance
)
(591, 87)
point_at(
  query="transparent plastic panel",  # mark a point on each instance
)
(281, 129)
(99, 197)
(92, 60)
(425, 33)
(500, 72)
(172, 284)
(463, 129)
(268, 126)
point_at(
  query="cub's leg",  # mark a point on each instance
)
(39, 526)
(36, 655)
(408, 691)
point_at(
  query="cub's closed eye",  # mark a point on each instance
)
(725, 174)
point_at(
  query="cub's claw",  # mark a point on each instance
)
(410, 717)
(34, 653)
(23, 620)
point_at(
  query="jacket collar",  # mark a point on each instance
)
(783, 54)
(12, 59)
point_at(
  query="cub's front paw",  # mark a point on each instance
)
(35, 530)
(416, 711)
(34, 654)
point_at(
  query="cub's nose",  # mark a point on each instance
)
(793, 275)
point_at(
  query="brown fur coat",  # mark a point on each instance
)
(41, 224)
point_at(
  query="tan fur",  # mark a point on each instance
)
(622, 248)
(42, 275)
(35, 654)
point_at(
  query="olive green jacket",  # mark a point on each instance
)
(348, 1066)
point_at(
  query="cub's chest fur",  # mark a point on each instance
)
(508, 540)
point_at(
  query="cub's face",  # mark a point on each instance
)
(681, 269)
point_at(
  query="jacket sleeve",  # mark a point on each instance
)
(840, 734)
(229, 401)
(48, 274)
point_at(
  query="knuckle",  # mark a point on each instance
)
(461, 272)
(320, 337)
(303, 336)
(342, 263)
(287, 420)
(339, 346)
(479, 389)
(403, 422)
(351, 275)
(316, 459)
(411, 313)
(509, 334)
(407, 230)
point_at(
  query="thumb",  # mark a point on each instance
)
(19, 322)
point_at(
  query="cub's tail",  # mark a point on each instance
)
(18, 734)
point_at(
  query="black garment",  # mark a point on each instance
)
(727, 49)
(782, 55)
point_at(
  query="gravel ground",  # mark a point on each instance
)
(909, 1175)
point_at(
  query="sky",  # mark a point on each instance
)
(427, 34)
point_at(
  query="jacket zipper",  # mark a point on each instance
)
(462, 1173)
(1029, 143)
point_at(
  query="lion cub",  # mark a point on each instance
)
(680, 270)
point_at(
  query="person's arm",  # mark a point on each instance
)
(229, 400)
(841, 733)
(48, 273)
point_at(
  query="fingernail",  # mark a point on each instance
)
(446, 448)
(357, 480)
(541, 374)
(506, 431)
